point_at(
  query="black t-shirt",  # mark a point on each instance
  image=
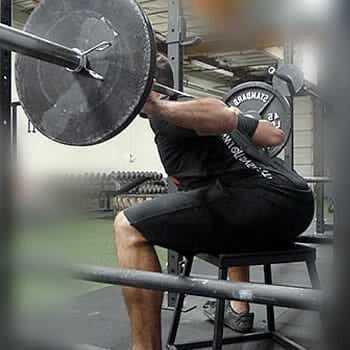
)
(193, 159)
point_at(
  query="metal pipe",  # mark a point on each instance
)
(14, 118)
(12, 39)
(319, 179)
(172, 93)
(291, 297)
(316, 238)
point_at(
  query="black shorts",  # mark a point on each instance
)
(221, 219)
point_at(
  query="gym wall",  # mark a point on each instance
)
(303, 135)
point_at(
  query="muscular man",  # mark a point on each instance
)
(232, 197)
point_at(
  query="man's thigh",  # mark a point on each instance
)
(215, 220)
(180, 221)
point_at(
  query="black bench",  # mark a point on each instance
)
(292, 254)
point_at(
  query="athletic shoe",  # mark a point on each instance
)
(241, 323)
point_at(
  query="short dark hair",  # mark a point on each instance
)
(164, 72)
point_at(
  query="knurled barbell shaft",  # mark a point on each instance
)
(34, 46)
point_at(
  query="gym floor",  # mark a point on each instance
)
(95, 314)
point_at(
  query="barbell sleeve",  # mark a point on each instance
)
(12, 39)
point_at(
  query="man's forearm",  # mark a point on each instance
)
(206, 116)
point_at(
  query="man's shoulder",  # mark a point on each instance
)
(169, 130)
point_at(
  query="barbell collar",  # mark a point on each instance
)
(84, 63)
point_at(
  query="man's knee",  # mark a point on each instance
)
(121, 227)
(120, 222)
(124, 233)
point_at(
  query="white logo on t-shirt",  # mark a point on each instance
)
(241, 156)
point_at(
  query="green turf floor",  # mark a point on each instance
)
(87, 241)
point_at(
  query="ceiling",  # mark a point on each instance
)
(211, 67)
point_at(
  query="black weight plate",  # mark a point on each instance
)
(260, 100)
(295, 75)
(76, 109)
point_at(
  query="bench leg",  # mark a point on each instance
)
(313, 274)
(219, 316)
(270, 313)
(179, 305)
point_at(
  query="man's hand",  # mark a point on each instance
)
(151, 102)
(235, 110)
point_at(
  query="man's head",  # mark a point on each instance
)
(164, 72)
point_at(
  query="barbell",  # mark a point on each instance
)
(86, 67)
